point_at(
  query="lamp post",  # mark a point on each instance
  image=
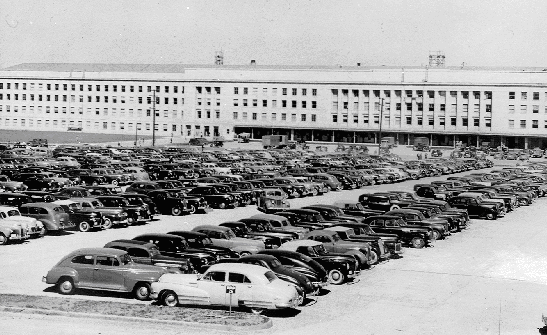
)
(380, 132)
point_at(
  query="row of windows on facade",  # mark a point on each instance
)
(106, 111)
(113, 126)
(535, 124)
(419, 120)
(207, 114)
(524, 109)
(409, 107)
(264, 116)
(62, 123)
(284, 103)
(73, 87)
(284, 91)
(345, 93)
(524, 95)
(106, 99)
(207, 90)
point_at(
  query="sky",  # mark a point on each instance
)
(280, 32)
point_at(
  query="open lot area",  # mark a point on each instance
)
(488, 279)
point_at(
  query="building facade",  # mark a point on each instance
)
(332, 104)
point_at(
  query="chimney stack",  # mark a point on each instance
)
(253, 62)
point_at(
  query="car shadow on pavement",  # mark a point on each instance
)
(543, 330)
(94, 293)
(279, 313)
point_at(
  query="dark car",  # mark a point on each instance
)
(14, 199)
(416, 236)
(476, 206)
(414, 216)
(214, 197)
(135, 214)
(147, 253)
(176, 246)
(84, 220)
(383, 201)
(203, 242)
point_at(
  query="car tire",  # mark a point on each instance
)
(490, 216)
(107, 224)
(437, 235)
(3, 239)
(170, 299)
(176, 211)
(94, 183)
(394, 207)
(301, 299)
(84, 226)
(192, 209)
(142, 291)
(65, 286)
(222, 205)
(336, 277)
(418, 242)
(523, 202)
(115, 182)
(374, 257)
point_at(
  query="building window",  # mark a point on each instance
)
(334, 118)
(304, 91)
(536, 96)
(236, 90)
(264, 103)
(453, 121)
(365, 119)
(488, 94)
(431, 121)
(245, 90)
(313, 118)
(523, 109)
(199, 114)
(465, 121)
(304, 104)
(236, 102)
(274, 117)
(465, 94)
(284, 103)
(409, 120)
(489, 108)
(303, 117)
(245, 103)
(523, 95)
(264, 116)
(441, 121)
(255, 102)
(535, 109)
(355, 118)
(314, 104)
(465, 108)
(476, 95)
(443, 107)
(408, 106)
(511, 95)
(535, 124)
(293, 117)
(488, 122)
(476, 108)
(274, 103)
(523, 123)
(420, 120)
(431, 94)
(294, 104)
(431, 107)
(512, 109)
(244, 115)
(283, 116)
(475, 122)
(294, 91)
(254, 116)
(284, 91)
(408, 93)
(420, 107)
(314, 91)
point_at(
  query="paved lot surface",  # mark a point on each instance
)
(489, 279)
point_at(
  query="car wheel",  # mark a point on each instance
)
(3, 239)
(115, 182)
(314, 193)
(490, 216)
(222, 205)
(142, 291)
(170, 299)
(176, 211)
(65, 286)
(84, 226)
(301, 298)
(107, 223)
(94, 183)
(437, 235)
(244, 253)
(418, 242)
(523, 202)
(394, 207)
(42, 232)
(336, 277)
(191, 209)
(374, 257)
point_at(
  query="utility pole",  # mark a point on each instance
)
(136, 136)
(380, 132)
(154, 117)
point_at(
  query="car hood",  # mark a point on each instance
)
(245, 241)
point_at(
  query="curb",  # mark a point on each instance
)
(265, 325)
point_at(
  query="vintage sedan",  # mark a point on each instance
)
(251, 286)
(103, 269)
(35, 227)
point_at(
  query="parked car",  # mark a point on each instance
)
(333, 243)
(11, 231)
(202, 242)
(112, 216)
(225, 237)
(52, 216)
(35, 227)
(135, 213)
(103, 269)
(147, 253)
(84, 220)
(253, 287)
(416, 236)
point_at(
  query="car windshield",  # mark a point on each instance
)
(59, 209)
(270, 276)
(74, 206)
(335, 237)
(275, 263)
(230, 234)
(97, 203)
(154, 251)
(13, 212)
(319, 250)
(206, 241)
(125, 259)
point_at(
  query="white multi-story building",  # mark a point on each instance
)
(334, 104)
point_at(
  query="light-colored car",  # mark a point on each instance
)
(35, 227)
(225, 237)
(105, 269)
(252, 286)
(11, 230)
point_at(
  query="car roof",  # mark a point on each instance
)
(40, 204)
(64, 202)
(269, 217)
(293, 245)
(186, 233)
(212, 227)
(99, 251)
(131, 243)
(160, 235)
(239, 267)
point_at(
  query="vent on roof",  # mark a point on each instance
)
(358, 64)
(253, 62)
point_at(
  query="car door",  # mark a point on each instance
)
(108, 274)
(241, 287)
(85, 267)
(139, 255)
(214, 283)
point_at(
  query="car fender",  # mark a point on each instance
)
(363, 259)
(54, 274)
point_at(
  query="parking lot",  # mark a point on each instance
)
(487, 279)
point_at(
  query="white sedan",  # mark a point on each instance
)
(250, 286)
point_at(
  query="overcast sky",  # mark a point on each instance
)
(295, 32)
